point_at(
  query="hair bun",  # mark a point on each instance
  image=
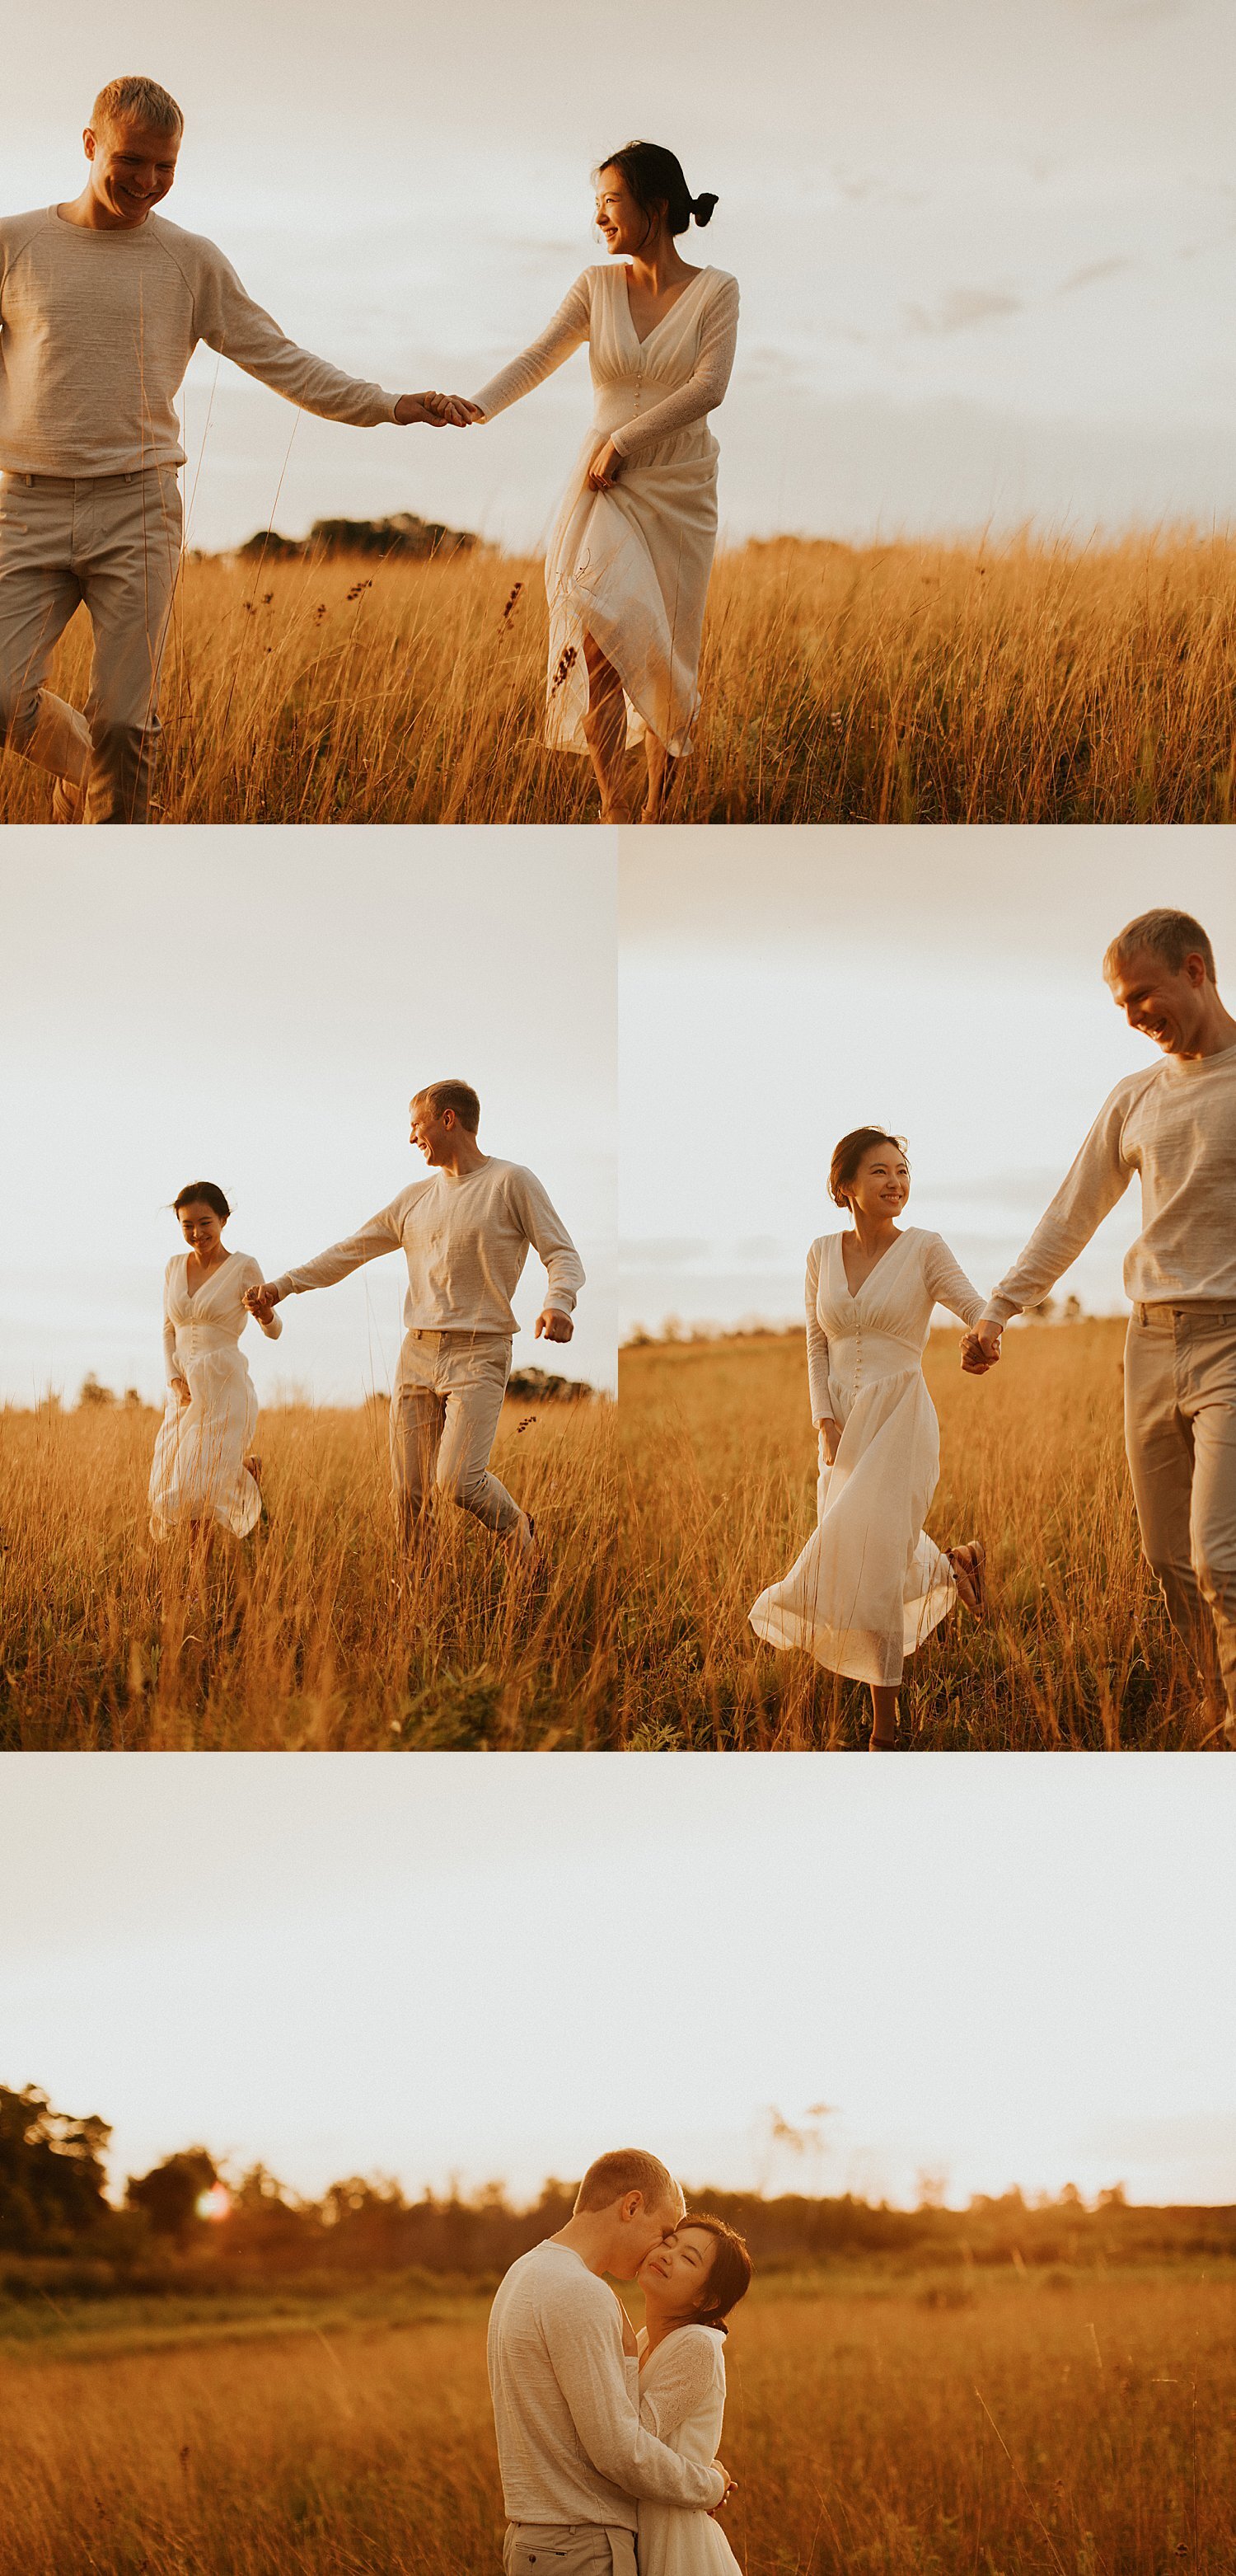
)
(702, 207)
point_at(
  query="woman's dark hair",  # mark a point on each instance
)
(848, 1155)
(729, 2273)
(656, 178)
(210, 1195)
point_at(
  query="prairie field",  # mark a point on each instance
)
(1032, 681)
(721, 1472)
(321, 1631)
(1058, 2423)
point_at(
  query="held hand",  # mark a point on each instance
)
(436, 411)
(830, 1433)
(980, 1348)
(605, 468)
(553, 1327)
(262, 1301)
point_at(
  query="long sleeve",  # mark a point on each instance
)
(948, 1282)
(586, 2353)
(226, 318)
(1095, 1182)
(381, 1234)
(548, 1236)
(685, 2373)
(172, 1369)
(566, 333)
(273, 1324)
(705, 386)
(817, 1341)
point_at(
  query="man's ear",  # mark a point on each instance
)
(90, 143)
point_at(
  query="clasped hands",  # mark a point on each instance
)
(262, 1301)
(436, 411)
(980, 1348)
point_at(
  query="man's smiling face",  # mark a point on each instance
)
(132, 167)
(1162, 1002)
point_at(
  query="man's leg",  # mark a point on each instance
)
(474, 1383)
(416, 1422)
(38, 595)
(1212, 1404)
(130, 538)
(1159, 1445)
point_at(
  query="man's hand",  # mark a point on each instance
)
(830, 1433)
(262, 1301)
(605, 468)
(980, 1348)
(552, 1326)
(436, 411)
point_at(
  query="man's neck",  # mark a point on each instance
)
(582, 2236)
(91, 216)
(465, 1159)
(1216, 1034)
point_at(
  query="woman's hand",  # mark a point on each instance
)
(436, 411)
(605, 468)
(830, 1433)
(180, 1389)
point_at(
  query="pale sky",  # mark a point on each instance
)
(985, 254)
(780, 987)
(256, 1009)
(1003, 1971)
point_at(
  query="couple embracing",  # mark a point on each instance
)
(607, 2439)
(871, 1584)
(102, 303)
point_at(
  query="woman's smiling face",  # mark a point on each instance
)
(622, 224)
(674, 2276)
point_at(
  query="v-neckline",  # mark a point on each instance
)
(855, 1293)
(194, 1293)
(664, 317)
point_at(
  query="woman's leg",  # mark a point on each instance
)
(660, 771)
(605, 732)
(883, 1718)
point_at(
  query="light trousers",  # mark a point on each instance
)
(568, 2549)
(112, 541)
(445, 1408)
(1180, 1432)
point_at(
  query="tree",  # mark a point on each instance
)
(52, 2176)
(168, 2195)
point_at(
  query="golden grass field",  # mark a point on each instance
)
(721, 1468)
(1029, 682)
(320, 1633)
(1050, 2423)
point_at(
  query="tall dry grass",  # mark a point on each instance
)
(1017, 683)
(321, 1631)
(1059, 2424)
(721, 1471)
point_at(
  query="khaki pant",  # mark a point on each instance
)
(114, 542)
(568, 2549)
(445, 1408)
(1180, 1432)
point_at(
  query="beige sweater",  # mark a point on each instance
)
(466, 1241)
(571, 2447)
(97, 329)
(1175, 1124)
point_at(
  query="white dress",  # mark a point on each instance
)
(682, 2401)
(870, 1584)
(199, 1470)
(630, 566)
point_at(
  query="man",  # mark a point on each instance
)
(101, 306)
(1175, 1125)
(466, 1235)
(573, 2454)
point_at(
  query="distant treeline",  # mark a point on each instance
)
(403, 535)
(54, 2210)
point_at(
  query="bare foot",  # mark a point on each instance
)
(253, 1467)
(969, 1574)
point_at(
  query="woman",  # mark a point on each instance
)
(202, 1474)
(691, 2282)
(870, 1584)
(628, 564)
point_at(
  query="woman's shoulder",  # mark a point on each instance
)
(720, 277)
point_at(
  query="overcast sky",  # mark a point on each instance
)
(1013, 1970)
(781, 987)
(985, 254)
(256, 1009)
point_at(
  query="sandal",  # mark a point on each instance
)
(968, 1566)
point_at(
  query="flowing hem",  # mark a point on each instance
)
(564, 722)
(237, 1525)
(857, 1654)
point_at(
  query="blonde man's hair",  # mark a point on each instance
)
(134, 95)
(458, 1096)
(628, 2169)
(1170, 936)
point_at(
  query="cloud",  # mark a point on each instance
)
(963, 308)
(1091, 276)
